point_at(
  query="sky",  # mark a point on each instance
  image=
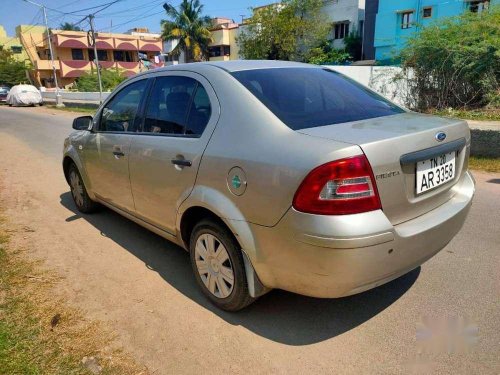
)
(119, 17)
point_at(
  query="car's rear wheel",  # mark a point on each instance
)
(218, 266)
(79, 193)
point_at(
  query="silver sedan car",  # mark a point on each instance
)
(274, 175)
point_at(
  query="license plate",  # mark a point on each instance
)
(435, 172)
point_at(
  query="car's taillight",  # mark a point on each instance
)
(341, 187)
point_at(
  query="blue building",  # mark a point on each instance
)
(397, 20)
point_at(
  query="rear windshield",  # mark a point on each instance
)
(306, 97)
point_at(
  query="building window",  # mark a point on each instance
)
(427, 12)
(406, 20)
(478, 6)
(16, 49)
(77, 54)
(341, 30)
(102, 55)
(226, 50)
(122, 56)
(214, 51)
(118, 56)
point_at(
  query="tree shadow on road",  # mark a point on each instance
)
(279, 316)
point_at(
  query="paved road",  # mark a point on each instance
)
(142, 286)
(484, 125)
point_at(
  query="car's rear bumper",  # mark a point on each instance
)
(334, 256)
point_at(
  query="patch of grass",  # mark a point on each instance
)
(90, 110)
(484, 163)
(492, 114)
(31, 340)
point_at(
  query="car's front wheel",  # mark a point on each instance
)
(218, 265)
(79, 193)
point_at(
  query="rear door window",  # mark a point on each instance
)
(199, 112)
(177, 105)
(310, 97)
(167, 108)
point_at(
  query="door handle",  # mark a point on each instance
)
(118, 153)
(182, 162)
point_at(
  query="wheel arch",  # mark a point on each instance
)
(67, 161)
(204, 205)
(71, 157)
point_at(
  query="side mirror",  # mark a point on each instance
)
(82, 123)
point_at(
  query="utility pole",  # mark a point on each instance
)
(59, 102)
(96, 58)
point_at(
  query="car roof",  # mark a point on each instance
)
(231, 66)
(238, 65)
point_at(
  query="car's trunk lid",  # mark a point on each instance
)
(392, 145)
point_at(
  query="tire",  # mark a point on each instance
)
(79, 193)
(215, 283)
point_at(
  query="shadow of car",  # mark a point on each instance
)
(279, 316)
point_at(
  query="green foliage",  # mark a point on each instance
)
(284, 31)
(69, 27)
(12, 72)
(110, 79)
(352, 44)
(190, 28)
(456, 62)
(326, 54)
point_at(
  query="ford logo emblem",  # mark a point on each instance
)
(440, 137)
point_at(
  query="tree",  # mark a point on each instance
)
(110, 79)
(189, 27)
(12, 72)
(284, 31)
(455, 62)
(69, 27)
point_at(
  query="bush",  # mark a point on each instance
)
(110, 79)
(326, 54)
(455, 63)
(353, 45)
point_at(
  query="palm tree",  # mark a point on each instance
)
(189, 27)
(69, 27)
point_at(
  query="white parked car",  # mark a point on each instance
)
(24, 95)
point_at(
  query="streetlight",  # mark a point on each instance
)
(59, 102)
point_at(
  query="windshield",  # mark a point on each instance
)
(306, 97)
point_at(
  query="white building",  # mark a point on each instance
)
(346, 16)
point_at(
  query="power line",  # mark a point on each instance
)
(137, 18)
(111, 14)
(35, 21)
(76, 12)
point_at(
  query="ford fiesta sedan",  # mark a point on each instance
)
(274, 175)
